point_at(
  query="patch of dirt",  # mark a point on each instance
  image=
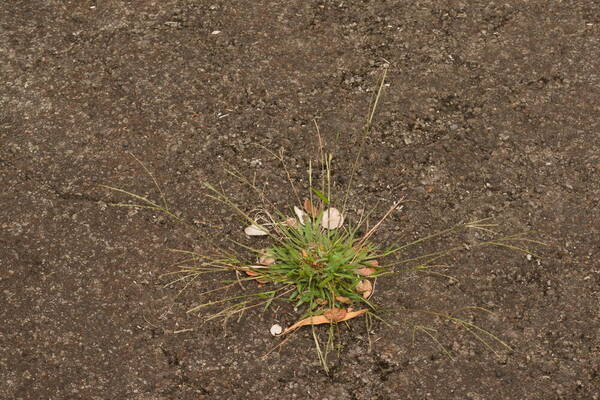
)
(491, 111)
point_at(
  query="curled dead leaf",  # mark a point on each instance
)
(366, 271)
(365, 288)
(266, 260)
(255, 230)
(310, 208)
(335, 314)
(322, 319)
(372, 263)
(300, 214)
(332, 218)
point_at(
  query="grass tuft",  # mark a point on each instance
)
(316, 262)
(323, 266)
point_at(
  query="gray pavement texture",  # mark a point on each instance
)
(491, 110)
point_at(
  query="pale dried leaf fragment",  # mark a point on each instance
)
(332, 218)
(365, 288)
(253, 267)
(300, 214)
(366, 271)
(255, 230)
(322, 319)
(372, 263)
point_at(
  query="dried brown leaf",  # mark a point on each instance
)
(365, 288)
(310, 208)
(249, 272)
(322, 319)
(266, 260)
(335, 314)
(366, 271)
(344, 300)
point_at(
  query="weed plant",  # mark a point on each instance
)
(324, 267)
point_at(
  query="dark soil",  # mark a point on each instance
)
(492, 110)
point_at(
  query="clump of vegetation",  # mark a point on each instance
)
(326, 268)
(324, 265)
(317, 262)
